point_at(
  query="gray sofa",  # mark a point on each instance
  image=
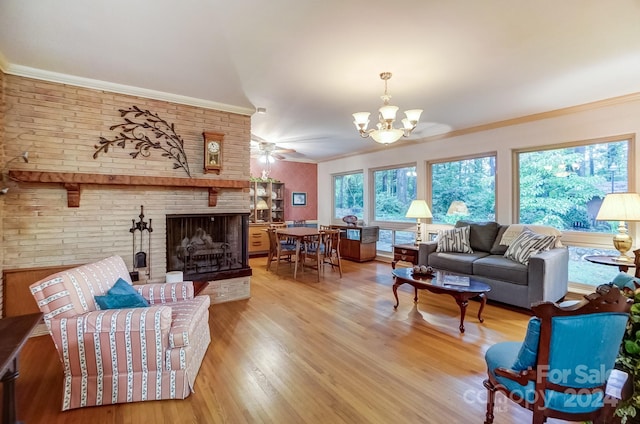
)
(545, 278)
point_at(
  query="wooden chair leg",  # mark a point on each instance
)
(491, 398)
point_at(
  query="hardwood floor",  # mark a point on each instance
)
(307, 352)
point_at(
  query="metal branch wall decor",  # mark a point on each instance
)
(146, 130)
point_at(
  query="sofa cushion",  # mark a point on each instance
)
(481, 234)
(498, 248)
(454, 240)
(457, 262)
(497, 267)
(528, 244)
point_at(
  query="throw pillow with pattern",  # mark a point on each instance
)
(528, 244)
(454, 240)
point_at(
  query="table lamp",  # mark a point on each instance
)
(621, 207)
(458, 207)
(418, 209)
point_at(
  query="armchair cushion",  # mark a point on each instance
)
(624, 280)
(528, 353)
(121, 295)
(502, 355)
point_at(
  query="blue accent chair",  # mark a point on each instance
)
(560, 370)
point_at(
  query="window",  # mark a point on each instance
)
(564, 186)
(393, 191)
(348, 195)
(463, 189)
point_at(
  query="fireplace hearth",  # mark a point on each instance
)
(208, 247)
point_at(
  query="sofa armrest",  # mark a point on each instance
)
(549, 275)
(424, 250)
(158, 293)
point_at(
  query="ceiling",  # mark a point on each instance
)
(312, 63)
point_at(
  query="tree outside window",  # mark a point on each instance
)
(348, 195)
(394, 189)
(564, 187)
(463, 189)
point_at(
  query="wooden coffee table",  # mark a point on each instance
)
(434, 284)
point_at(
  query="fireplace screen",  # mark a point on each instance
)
(212, 246)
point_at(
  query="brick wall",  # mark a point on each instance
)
(60, 125)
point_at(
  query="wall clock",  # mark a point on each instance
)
(212, 152)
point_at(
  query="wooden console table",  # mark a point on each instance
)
(358, 243)
(14, 332)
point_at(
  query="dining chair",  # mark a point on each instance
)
(276, 252)
(560, 370)
(313, 250)
(283, 249)
(332, 250)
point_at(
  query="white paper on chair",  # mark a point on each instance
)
(615, 383)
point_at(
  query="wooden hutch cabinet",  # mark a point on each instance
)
(266, 206)
(358, 243)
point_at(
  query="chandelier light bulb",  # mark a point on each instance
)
(384, 132)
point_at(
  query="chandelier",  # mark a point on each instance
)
(384, 132)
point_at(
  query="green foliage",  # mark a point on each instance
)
(394, 190)
(557, 185)
(469, 180)
(629, 361)
(348, 194)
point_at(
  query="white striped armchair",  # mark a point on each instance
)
(123, 355)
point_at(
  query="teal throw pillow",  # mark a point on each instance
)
(528, 355)
(121, 295)
(120, 301)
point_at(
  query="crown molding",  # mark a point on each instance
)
(39, 74)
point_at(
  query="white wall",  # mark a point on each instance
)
(604, 120)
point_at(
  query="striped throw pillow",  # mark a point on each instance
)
(528, 244)
(454, 240)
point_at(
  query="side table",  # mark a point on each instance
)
(405, 253)
(14, 332)
(610, 260)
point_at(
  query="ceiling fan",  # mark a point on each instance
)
(264, 149)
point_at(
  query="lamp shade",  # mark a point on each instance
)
(387, 136)
(620, 207)
(262, 205)
(458, 207)
(418, 209)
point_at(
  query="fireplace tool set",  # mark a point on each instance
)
(140, 257)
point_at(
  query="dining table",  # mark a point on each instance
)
(299, 234)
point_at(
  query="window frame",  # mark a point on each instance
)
(388, 225)
(481, 155)
(576, 237)
(334, 218)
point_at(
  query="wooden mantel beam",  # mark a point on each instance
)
(73, 180)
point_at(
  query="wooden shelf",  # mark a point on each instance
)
(72, 182)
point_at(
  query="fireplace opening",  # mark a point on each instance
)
(208, 246)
